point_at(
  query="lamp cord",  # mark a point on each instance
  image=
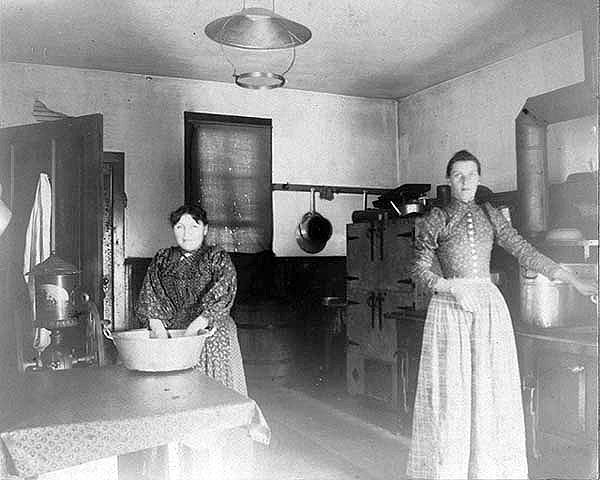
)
(234, 68)
(244, 5)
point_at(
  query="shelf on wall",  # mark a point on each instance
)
(300, 187)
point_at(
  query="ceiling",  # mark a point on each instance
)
(369, 48)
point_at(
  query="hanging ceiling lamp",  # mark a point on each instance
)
(262, 31)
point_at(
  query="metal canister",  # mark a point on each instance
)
(56, 288)
(532, 172)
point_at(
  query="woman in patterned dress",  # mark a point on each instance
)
(192, 286)
(468, 417)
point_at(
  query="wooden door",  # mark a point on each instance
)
(362, 255)
(113, 240)
(360, 316)
(398, 252)
(383, 336)
(564, 395)
(70, 152)
(410, 337)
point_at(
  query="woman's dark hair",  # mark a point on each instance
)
(462, 156)
(195, 211)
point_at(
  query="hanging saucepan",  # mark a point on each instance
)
(314, 230)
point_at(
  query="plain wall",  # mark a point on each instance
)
(572, 147)
(317, 139)
(477, 111)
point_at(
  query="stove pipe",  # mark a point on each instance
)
(532, 173)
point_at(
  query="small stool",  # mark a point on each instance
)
(334, 327)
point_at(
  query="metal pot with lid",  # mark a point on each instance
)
(546, 303)
(314, 230)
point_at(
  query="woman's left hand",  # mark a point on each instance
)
(586, 288)
(199, 323)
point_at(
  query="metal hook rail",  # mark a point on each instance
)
(301, 187)
(327, 191)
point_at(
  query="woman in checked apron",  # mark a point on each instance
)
(468, 418)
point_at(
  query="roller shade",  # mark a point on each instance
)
(228, 170)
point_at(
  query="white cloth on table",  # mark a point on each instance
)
(117, 412)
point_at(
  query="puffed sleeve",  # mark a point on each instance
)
(514, 243)
(218, 299)
(153, 301)
(426, 244)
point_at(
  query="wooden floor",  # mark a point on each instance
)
(312, 439)
(319, 431)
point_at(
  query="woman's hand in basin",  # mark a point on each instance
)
(157, 328)
(198, 323)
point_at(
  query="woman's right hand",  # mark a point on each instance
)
(199, 323)
(464, 296)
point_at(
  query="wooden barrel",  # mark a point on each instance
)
(267, 333)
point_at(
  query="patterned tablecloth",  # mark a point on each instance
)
(70, 417)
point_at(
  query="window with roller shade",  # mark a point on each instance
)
(228, 171)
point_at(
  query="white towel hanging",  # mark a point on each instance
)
(37, 238)
(38, 246)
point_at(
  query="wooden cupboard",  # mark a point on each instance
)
(410, 336)
(383, 306)
(559, 370)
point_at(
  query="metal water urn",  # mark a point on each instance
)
(56, 293)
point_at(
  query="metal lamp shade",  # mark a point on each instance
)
(261, 31)
(257, 29)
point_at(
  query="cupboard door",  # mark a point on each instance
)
(397, 248)
(360, 316)
(410, 335)
(355, 371)
(563, 382)
(381, 380)
(382, 335)
(362, 264)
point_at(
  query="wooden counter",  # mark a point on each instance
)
(70, 417)
(559, 371)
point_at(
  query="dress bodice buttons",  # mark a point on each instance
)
(465, 250)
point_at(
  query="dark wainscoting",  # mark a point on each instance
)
(299, 283)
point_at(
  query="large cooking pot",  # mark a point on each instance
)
(314, 230)
(546, 303)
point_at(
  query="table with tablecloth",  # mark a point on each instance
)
(64, 418)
